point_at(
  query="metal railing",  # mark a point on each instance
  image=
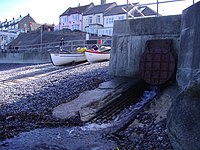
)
(54, 46)
(159, 4)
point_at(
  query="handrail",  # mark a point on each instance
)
(71, 45)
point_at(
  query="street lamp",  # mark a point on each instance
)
(41, 37)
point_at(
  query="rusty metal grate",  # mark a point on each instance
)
(158, 62)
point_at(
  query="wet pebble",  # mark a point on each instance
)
(154, 134)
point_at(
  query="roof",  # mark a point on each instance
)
(14, 22)
(77, 10)
(30, 19)
(100, 9)
(117, 10)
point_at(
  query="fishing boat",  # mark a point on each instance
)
(101, 54)
(63, 58)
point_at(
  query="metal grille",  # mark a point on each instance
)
(158, 63)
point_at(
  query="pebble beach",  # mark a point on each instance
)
(30, 92)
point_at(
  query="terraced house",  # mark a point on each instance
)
(72, 18)
(99, 19)
(93, 19)
(9, 30)
(120, 13)
(21, 24)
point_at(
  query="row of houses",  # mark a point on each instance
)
(21, 24)
(94, 19)
(99, 19)
(9, 30)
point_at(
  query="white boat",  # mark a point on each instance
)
(64, 58)
(93, 56)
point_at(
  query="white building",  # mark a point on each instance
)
(72, 18)
(100, 19)
(93, 19)
(6, 37)
(21, 24)
(117, 13)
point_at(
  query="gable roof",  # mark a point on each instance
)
(77, 10)
(146, 11)
(30, 19)
(6, 24)
(117, 10)
(100, 9)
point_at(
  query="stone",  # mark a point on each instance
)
(183, 118)
(183, 123)
(87, 113)
(85, 99)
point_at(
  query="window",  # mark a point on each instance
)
(110, 32)
(75, 17)
(106, 20)
(121, 17)
(75, 27)
(78, 27)
(109, 20)
(98, 19)
(100, 32)
(66, 19)
(90, 20)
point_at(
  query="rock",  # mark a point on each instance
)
(183, 119)
(87, 113)
(88, 99)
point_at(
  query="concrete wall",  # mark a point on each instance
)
(189, 54)
(130, 36)
(30, 56)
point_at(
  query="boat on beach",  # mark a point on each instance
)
(63, 58)
(101, 54)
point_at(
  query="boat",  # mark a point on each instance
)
(63, 58)
(101, 54)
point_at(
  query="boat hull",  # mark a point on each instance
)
(59, 59)
(93, 56)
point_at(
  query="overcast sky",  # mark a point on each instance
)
(48, 11)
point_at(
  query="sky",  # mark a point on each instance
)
(48, 11)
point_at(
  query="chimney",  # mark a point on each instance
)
(103, 2)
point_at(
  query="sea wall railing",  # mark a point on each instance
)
(65, 45)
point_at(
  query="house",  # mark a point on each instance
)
(72, 18)
(47, 27)
(93, 18)
(21, 24)
(9, 30)
(118, 13)
(5, 38)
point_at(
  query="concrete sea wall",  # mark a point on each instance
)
(189, 54)
(130, 36)
(29, 56)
